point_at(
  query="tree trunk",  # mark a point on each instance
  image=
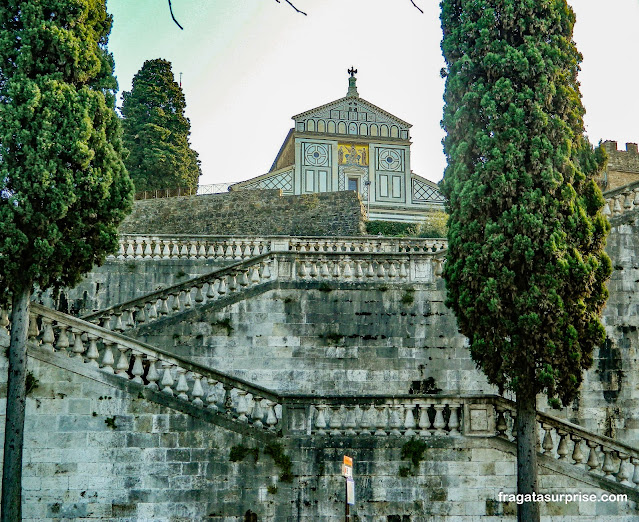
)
(527, 457)
(11, 508)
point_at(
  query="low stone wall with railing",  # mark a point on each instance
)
(621, 200)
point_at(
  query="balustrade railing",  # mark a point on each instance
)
(621, 200)
(571, 444)
(235, 248)
(376, 416)
(148, 366)
(266, 268)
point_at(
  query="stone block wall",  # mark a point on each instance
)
(96, 449)
(623, 165)
(250, 212)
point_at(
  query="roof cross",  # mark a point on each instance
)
(352, 71)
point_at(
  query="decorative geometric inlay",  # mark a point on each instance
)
(341, 179)
(390, 159)
(283, 181)
(316, 154)
(424, 192)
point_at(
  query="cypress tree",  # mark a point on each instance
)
(525, 270)
(156, 132)
(63, 185)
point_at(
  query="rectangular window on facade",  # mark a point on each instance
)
(322, 181)
(383, 186)
(397, 187)
(310, 178)
(353, 184)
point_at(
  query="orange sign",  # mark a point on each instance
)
(348, 461)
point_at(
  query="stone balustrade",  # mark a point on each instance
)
(235, 248)
(155, 369)
(281, 266)
(571, 444)
(621, 200)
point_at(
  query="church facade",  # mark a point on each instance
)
(351, 144)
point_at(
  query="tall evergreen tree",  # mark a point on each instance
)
(525, 270)
(63, 185)
(156, 132)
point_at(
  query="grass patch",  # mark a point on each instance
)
(272, 490)
(408, 297)
(31, 383)
(240, 452)
(413, 451)
(275, 450)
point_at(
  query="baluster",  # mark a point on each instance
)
(107, 358)
(184, 250)
(244, 281)
(138, 369)
(617, 206)
(48, 338)
(324, 270)
(395, 419)
(348, 273)
(409, 420)
(369, 270)
(175, 251)
(403, 272)
(182, 386)
(381, 420)
(152, 374)
(176, 302)
(238, 252)
(247, 251)
(78, 347)
(258, 413)
(271, 418)
(121, 250)
(627, 203)
(187, 299)
(335, 422)
(453, 420)
(199, 296)
(228, 253)
(255, 275)
(117, 327)
(577, 455)
(593, 461)
(242, 406)
(167, 379)
(392, 271)
(624, 473)
(635, 475)
(211, 397)
(501, 425)
(164, 306)
(123, 362)
(210, 251)
(32, 329)
(139, 253)
(547, 444)
(92, 353)
(210, 290)
(221, 289)
(255, 250)
(350, 422)
(336, 270)
(381, 272)
(227, 401)
(232, 283)
(635, 201)
(193, 250)
(140, 315)
(130, 320)
(130, 252)
(201, 253)
(424, 421)
(302, 270)
(219, 251)
(320, 419)
(63, 339)
(358, 270)
(153, 311)
(313, 273)
(166, 251)
(148, 252)
(439, 424)
(367, 420)
(562, 448)
(608, 465)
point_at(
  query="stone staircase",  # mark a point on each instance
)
(264, 271)
(85, 348)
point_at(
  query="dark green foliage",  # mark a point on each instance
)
(408, 297)
(325, 287)
(433, 226)
(63, 186)
(272, 490)
(275, 450)
(156, 132)
(110, 422)
(525, 270)
(240, 452)
(413, 450)
(32, 383)
(333, 338)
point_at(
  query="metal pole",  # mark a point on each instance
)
(347, 516)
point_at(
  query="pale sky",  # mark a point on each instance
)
(249, 65)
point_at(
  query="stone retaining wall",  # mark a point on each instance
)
(250, 212)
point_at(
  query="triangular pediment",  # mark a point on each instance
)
(352, 108)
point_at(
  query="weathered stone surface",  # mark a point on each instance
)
(250, 212)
